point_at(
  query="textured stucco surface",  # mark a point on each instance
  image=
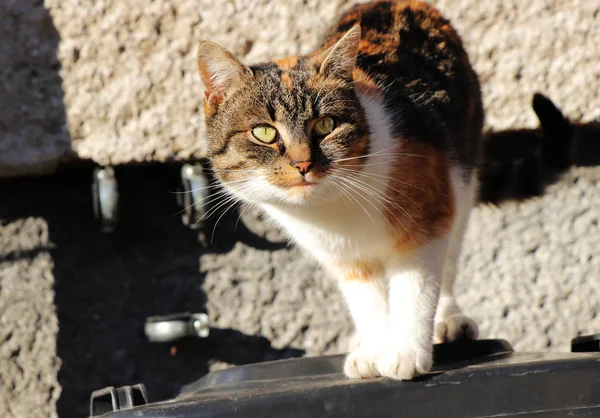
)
(127, 91)
(117, 83)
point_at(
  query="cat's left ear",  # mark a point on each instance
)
(340, 59)
(220, 72)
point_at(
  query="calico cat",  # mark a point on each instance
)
(366, 152)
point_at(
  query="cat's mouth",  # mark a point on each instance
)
(303, 183)
(301, 191)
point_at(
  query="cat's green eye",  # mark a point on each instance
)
(324, 126)
(265, 133)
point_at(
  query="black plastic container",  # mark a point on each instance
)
(471, 379)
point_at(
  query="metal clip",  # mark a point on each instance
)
(105, 195)
(195, 191)
(110, 399)
(176, 326)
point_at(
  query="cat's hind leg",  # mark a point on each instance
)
(450, 323)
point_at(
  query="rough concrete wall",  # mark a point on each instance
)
(28, 323)
(131, 92)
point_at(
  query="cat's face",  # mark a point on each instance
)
(278, 131)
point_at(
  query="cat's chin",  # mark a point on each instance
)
(301, 194)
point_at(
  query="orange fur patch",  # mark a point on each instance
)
(287, 63)
(424, 205)
(286, 80)
(361, 271)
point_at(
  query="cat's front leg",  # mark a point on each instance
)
(366, 294)
(413, 296)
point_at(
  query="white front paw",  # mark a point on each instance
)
(361, 364)
(404, 364)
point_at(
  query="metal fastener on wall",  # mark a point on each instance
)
(105, 196)
(195, 191)
(173, 327)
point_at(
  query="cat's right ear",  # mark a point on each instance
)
(220, 71)
(340, 59)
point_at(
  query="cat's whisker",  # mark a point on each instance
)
(375, 153)
(378, 154)
(378, 198)
(211, 198)
(234, 200)
(387, 198)
(355, 172)
(217, 203)
(375, 192)
(357, 202)
(247, 205)
(224, 194)
(367, 174)
(210, 186)
(388, 185)
(183, 162)
(377, 157)
(230, 197)
(368, 164)
(372, 204)
(236, 170)
(341, 189)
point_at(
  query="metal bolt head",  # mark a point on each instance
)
(200, 325)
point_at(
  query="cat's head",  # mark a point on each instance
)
(277, 131)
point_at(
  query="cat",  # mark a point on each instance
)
(366, 152)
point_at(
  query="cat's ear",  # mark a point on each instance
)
(340, 59)
(219, 70)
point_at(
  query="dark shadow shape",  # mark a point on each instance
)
(233, 347)
(230, 229)
(32, 110)
(106, 285)
(520, 163)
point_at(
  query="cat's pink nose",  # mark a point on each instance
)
(302, 167)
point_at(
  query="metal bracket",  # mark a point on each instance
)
(110, 399)
(195, 191)
(105, 195)
(176, 326)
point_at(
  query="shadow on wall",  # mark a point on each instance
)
(33, 133)
(521, 163)
(106, 285)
